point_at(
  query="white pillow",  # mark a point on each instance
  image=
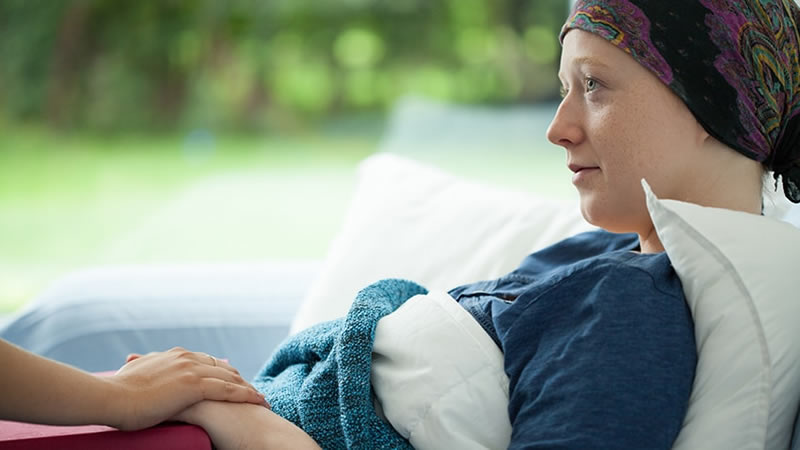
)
(739, 274)
(410, 220)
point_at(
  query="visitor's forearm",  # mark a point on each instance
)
(35, 389)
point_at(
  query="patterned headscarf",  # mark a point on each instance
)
(735, 64)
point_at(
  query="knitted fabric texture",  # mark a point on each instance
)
(319, 379)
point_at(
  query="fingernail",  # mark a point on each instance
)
(264, 401)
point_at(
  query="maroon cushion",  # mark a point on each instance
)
(172, 435)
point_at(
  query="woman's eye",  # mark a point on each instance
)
(591, 84)
(563, 91)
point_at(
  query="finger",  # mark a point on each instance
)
(217, 389)
(226, 365)
(221, 373)
(224, 375)
(206, 359)
(131, 357)
(217, 362)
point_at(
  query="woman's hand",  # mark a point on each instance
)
(243, 426)
(147, 390)
(157, 386)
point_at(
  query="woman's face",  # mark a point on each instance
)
(619, 123)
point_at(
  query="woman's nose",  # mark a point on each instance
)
(565, 129)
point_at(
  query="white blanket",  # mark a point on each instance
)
(439, 377)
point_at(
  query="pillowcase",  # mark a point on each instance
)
(739, 274)
(409, 220)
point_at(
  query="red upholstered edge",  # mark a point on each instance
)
(173, 435)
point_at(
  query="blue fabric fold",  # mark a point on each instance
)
(319, 379)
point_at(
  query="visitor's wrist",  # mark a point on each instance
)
(114, 402)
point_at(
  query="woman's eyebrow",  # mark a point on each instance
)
(583, 61)
(589, 61)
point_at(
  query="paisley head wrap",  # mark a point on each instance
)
(735, 64)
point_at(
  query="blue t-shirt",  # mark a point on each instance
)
(598, 343)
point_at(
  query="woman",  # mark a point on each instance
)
(147, 390)
(698, 97)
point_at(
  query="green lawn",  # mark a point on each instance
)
(74, 200)
(68, 201)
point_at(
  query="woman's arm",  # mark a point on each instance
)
(245, 426)
(147, 390)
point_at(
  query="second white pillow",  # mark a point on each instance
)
(409, 220)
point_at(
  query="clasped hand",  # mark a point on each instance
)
(158, 386)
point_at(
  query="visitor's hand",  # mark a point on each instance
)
(157, 386)
(243, 426)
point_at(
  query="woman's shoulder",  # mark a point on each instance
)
(610, 278)
(586, 245)
(618, 282)
(594, 253)
(604, 333)
(598, 254)
(638, 293)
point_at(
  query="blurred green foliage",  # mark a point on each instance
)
(111, 64)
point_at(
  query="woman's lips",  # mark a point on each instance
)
(581, 173)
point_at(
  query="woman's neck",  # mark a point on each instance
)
(738, 188)
(737, 185)
(650, 243)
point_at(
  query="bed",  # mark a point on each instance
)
(410, 198)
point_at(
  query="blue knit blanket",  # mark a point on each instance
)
(320, 378)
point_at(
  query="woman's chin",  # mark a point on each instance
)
(602, 217)
(589, 210)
